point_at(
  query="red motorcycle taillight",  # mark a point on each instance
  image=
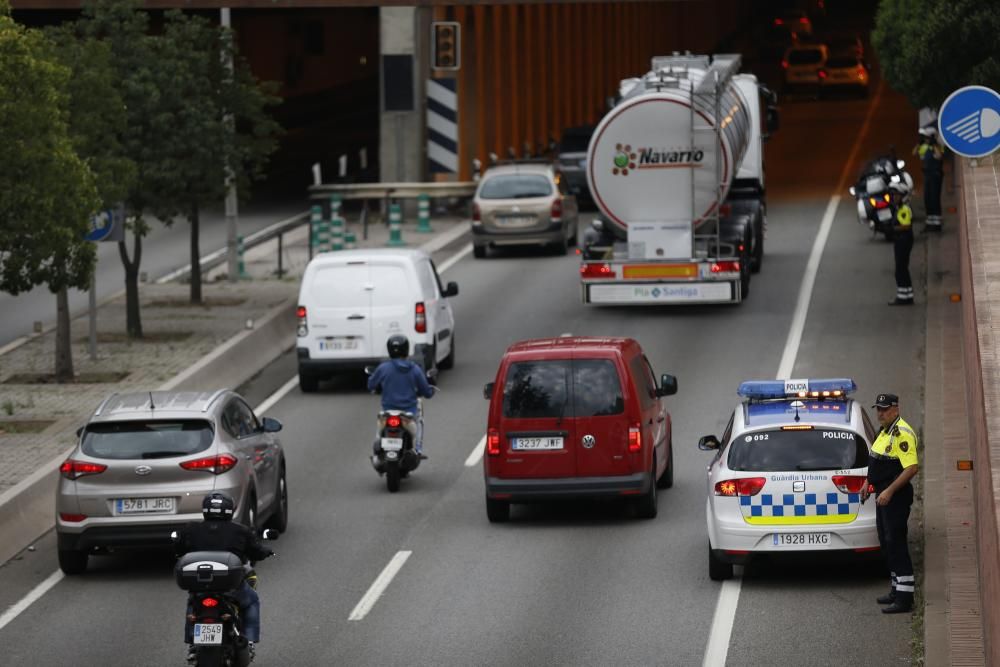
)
(209, 602)
(393, 421)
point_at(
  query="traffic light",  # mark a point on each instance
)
(446, 45)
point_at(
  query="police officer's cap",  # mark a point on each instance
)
(886, 401)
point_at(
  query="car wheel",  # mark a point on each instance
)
(717, 570)
(667, 479)
(279, 520)
(449, 361)
(308, 383)
(72, 561)
(497, 511)
(479, 251)
(645, 505)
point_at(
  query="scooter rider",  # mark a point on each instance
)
(218, 532)
(402, 383)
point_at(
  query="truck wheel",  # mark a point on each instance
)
(717, 570)
(497, 511)
(758, 247)
(745, 280)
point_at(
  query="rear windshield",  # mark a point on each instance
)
(562, 388)
(516, 186)
(841, 62)
(815, 449)
(805, 57)
(147, 439)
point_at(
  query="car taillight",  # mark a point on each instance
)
(779, 22)
(209, 602)
(743, 486)
(393, 421)
(821, 73)
(784, 64)
(493, 442)
(596, 271)
(303, 327)
(725, 267)
(803, 20)
(71, 469)
(213, 464)
(477, 215)
(849, 483)
(72, 518)
(634, 438)
(420, 318)
(861, 72)
(556, 211)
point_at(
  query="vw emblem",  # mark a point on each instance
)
(798, 487)
(143, 470)
(589, 441)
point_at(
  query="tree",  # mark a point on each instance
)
(929, 48)
(47, 193)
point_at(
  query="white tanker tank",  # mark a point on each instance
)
(670, 150)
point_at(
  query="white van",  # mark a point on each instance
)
(351, 301)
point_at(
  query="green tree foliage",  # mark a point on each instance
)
(929, 48)
(47, 193)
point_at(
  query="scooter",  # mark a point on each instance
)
(395, 455)
(883, 186)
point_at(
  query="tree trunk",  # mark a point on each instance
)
(64, 344)
(195, 255)
(133, 322)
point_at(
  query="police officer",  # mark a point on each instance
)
(931, 156)
(902, 245)
(891, 466)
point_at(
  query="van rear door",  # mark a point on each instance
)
(600, 420)
(393, 303)
(536, 428)
(339, 311)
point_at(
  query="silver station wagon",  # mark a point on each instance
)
(145, 461)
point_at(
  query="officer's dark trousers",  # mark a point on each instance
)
(933, 179)
(902, 246)
(891, 524)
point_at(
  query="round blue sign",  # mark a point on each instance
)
(969, 121)
(101, 226)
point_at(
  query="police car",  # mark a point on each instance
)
(788, 474)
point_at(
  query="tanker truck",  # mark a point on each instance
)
(676, 169)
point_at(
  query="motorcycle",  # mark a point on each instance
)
(395, 455)
(883, 186)
(211, 579)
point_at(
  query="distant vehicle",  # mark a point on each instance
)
(573, 160)
(352, 301)
(802, 64)
(145, 461)
(523, 203)
(788, 473)
(844, 73)
(796, 21)
(577, 416)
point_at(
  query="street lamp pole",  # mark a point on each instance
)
(232, 222)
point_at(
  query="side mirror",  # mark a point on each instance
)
(450, 290)
(431, 373)
(488, 390)
(369, 370)
(853, 192)
(668, 385)
(773, 119)
(79, 432)
(271, 425)
(708, 443)
(269, 534)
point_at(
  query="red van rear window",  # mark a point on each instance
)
(562, 388)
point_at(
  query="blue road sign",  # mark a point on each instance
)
(969, 121)
(106, 226)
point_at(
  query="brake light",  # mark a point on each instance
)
(784, 64)
(803, 20)
(71, 469)
(726, 267)
(209, 602)
(213, 464)
(634, 439)
(420, 318)
(303, 326)
(556, 211)
(596, 271)
(493, 442)
(744, 486)
(72, 518)
(393, 421)
(779, 22)
(476, 213)
(821, 73)
(849, 483)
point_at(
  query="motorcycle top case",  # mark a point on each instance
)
(217, 571)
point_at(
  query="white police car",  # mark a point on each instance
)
(788, 473)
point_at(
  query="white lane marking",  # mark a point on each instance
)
(454, 259)
(277, 396)
(720, 635)
(378, 586)
(38, 591)
(477, 454)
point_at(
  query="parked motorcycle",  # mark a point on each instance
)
(211, 579)
(883, 186)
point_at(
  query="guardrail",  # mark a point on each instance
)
(392, 190)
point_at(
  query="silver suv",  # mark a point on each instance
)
(145, 461)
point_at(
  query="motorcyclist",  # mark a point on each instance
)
(218, 532)
(402, 383)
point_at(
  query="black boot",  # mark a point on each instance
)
(903, 604)
(888, 598)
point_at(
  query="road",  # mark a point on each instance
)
(164, 249)
(578, 584)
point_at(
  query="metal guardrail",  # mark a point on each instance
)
(392, 190)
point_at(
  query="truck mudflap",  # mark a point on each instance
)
(661, 293)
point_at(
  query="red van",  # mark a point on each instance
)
(576, 416)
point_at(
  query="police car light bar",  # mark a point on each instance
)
(811, 388)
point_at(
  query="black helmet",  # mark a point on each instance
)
(217, 506)
(398, 346)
